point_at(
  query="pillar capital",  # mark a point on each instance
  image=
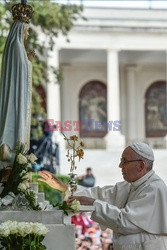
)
(113, 50)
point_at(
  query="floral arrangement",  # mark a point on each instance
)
(74, 207)
(17, 183)
(22, 235)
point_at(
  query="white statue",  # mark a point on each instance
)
(16, 81)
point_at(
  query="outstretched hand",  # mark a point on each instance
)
(51, 180)
(82, 199)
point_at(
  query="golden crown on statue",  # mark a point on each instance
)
(22, 12)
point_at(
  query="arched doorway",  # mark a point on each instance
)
(93, 109)
(156, 110)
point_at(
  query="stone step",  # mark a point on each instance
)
(45, 217)
(40, 197)
(60, 237)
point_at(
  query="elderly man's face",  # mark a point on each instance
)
(132, 167)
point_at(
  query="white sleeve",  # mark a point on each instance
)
(106, 214)
(112, 217)
(106, 193)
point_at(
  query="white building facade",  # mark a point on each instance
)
(114, 78)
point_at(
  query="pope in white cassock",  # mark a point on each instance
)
(135, 209)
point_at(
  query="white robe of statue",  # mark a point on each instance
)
(136, 212)
(15, 89)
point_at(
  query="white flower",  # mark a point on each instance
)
(13, 226)
(39, 229)
(21, 159)
(32, 158)
(29, 176)
(75, 205)
(5, 229)
(28, 228)
(29, 165)
(23, 185)
(22, 228)
(27, 184)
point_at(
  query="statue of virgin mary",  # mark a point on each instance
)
(16, 83)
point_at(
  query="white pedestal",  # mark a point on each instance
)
(60, 235)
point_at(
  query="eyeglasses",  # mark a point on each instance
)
(124, 161)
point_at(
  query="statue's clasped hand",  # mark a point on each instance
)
(31, 55)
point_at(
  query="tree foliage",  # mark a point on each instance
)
(53, 19)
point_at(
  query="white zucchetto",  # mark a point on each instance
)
(143, 150)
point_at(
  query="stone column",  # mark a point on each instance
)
(114, 138)
(53, 100)
(131, 104)
(53, 88)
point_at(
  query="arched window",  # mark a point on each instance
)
(93, 109)
(156, 110)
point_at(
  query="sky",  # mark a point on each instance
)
(157, 4)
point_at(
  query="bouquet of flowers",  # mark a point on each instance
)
(17, 182)
(22, 235)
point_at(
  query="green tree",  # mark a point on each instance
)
(53, 19)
